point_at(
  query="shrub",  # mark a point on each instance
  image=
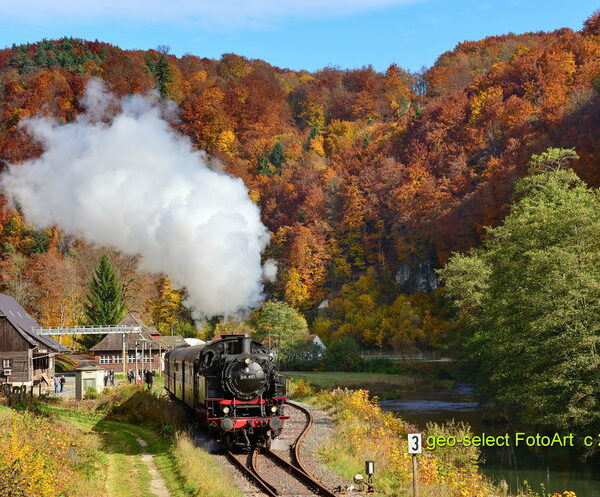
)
(343, 355)
(300, 389)
(301, 356)
(136, 405)
(90, 393)
(459, 456)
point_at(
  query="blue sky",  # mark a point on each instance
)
(300, 35)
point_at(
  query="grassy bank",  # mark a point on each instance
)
(364, 432)
(92, 449)
(382, 385)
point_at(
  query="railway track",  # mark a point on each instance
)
(274, 475)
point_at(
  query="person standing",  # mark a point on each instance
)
(56, 384)
(63, 380)
(149, 379)
(130, 376)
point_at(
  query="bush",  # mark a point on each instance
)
(343, 355)
(139, 406)
(301, 356)
(380, 365)
(90, 394)
(300, 389)
(459, 456)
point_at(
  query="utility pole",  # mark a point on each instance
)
(160, 368)
(124, 355)
(143, 354)
(136, 361)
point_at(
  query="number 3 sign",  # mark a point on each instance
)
(414, 443)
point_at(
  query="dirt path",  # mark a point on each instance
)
(157, 484)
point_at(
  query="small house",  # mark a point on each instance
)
(144, 349)
(26, 358)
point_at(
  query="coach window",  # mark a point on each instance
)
(6, 363)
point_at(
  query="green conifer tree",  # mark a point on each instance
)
(264, 167)
(277, 156)
(164, 75)
(105, 303)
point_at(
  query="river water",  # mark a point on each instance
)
(557, 468)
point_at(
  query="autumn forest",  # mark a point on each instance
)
(367, 181)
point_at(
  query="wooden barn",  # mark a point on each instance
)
(26, 358)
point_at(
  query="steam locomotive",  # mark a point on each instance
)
(232, 386)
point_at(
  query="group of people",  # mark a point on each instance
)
(140, 376)
(109, 378)
(59, 383)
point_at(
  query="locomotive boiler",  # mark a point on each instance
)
(232, 386)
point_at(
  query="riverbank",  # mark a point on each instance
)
(536, 467)
(363, 431)
(382, 385)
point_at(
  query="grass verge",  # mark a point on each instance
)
(96, 451)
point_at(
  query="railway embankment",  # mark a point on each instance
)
(127, 442)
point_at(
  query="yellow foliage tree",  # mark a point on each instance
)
(165, 310)
(296, 292)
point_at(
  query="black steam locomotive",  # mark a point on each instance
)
(233, 387)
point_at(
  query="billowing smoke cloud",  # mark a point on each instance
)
(134, 184)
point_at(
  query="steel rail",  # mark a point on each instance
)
(300, 439)
(250, 468)
(307, 479)
(296, 465)
(264, 486)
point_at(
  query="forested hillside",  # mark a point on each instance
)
(367, 181)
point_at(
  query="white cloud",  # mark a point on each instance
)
(200, 13)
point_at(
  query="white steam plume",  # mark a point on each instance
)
(136, 185)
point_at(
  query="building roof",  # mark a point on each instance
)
(172, 341)
(25, 324)
(114, 341)
(134, 319)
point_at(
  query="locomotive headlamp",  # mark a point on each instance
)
(247, 360)
(227, 424)
(274, 409)
(225, 410)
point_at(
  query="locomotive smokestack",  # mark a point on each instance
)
(246, 345)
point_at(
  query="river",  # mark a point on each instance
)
(558, 469)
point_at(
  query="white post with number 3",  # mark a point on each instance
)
(415, 446)
(414, 443)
